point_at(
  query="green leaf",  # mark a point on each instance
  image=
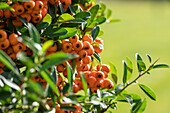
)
(46, 75)
(65, 17)
(72, 9)
(77, 20)
(129, 68)
(139, 107)
(56, 58)
(148, 91)
(53, 32)
(70, 78)
(149, 57)
(125, 72)
(94, 11)
(70, 33)
(140, 63)
(161, 66)
(4, 5)
(83, 15)
(97, 57)
(100, 20)
(61, 8)
(25, 60)
(42, 25)
(68, 108)
(52, 10)
(84, 83)
(113, 73)
(65, 88)
(33, 32)
(47, 44)
(47, 18)
(9, 83)
(54, 75)
(95, 32)
(109, 13)
(129, 99)
(31, 44)
(103, 8)
(35, 87)
(5, 59)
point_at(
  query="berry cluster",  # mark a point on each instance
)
(33, 11)
(11, 46)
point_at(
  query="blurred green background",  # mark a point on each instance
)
(145, 29)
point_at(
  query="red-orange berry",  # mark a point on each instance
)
(93, 73)
(29, 5)
(7, 13)
(98, 84)
(107, 83)
(87, 60)
(90, 81)
(94, 90)
(74, 39)
(1, 13)
(99, 75)
(38, 5)
(18, 47)
(3, 35)
(53, 47)
(13, 39)
(97, 49)
(78, 45)
(60, 68)
(99, 40)
(82, 53)
(67, 47)
(26, 16)
(87, 38)
(5, 44)
(19, 9)
(65, 3)
(37, 19)
(105, 68)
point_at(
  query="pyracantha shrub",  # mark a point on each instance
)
(50, 59)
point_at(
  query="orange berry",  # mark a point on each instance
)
(9, 51)
(87, 74)
(86, 45)
(17, 23)
(38, 5)
(29, 5)
(44, 12)
(99, 40)
(3, 35)
(53, 1)
(75, 88)
(5, 44)
(85, 67)
(90, 81)
(87, 38)
(2, 65)
(13, 39)
(67, 47)
(37, 19)
(97, 49)
(19, 9)
(74, 39)
(99, 75)
(1, 13)
(82, 53)
(36, 13)
(105, 68)
(53, 47)
(78, 45)
(29, 52)
(1, 70)
(90, 51)
(65, 72)
(93, 73)
(98, 84)
(7, 13)
(29, 11)
(12, 56)
(87, 60)
(94, 90)
(60, 68)
(26, 16)
(107, 83)
(65, 3)
(18, 47)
